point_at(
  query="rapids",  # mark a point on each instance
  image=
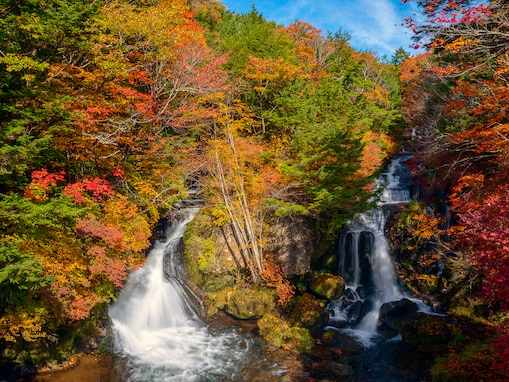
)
(157, 330)
(366, 265)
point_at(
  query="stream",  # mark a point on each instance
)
(157, 331)
(158, 334)
(366, 265)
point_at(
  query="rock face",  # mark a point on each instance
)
(327, 286)
(293, 242)
(395, 312)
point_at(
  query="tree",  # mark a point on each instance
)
(323, 155)
(235, 161)
(468, 48)
(35, 35)
(483, 214)
(399, 56)
(266, 78)
(245, 35)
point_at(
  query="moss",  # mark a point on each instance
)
(327, 286)
(279, 334)
(242, 301)
(308, 312)
(209, 266)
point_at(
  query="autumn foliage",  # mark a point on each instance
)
(464, 138)
(110, 112)
(89, 92)
(460, 131)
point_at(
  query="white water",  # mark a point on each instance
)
(159, 333)
(356, 252)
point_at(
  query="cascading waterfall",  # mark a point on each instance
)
(365, 262)
(157, 329)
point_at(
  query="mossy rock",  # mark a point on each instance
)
(428, 333)
(280, 334)
(209, 265)
(242, 302)
(327, 286)
(308, 312)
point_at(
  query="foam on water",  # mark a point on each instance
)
(366, 265)
(158, 331)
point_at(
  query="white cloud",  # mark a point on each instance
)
(373, 24)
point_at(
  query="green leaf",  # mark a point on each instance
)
(18, 63)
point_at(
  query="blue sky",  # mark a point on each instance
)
(374, 25)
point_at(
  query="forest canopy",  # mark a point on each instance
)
(111, 110)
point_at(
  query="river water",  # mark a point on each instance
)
(158, 334)
(156, 329)
(366, 265)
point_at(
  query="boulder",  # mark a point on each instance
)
(346, 310)
(245, 303)
(294, 240)
(428, 333)
(394, 312)
(356, 312)
(309, 313)
(327, 286)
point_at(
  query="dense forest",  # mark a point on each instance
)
(113, 113)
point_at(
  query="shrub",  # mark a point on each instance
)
(279, 334)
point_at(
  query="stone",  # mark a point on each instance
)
(356, 312)
(293, 243)
(242, 303)
(309, 313)
(327, 286)
(394, 312)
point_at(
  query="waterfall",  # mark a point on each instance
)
(157, 329)
(365, 262)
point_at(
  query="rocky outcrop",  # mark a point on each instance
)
(242, 302)
(293, 241)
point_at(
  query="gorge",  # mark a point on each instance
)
(116, 114)
(159, 334)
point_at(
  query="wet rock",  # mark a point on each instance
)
(356, 312)
(345, 311)
(392, 313)
(275, 366)
(337, 339)
(338, 369)
(327, 286)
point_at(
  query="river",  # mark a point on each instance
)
(158, 335)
